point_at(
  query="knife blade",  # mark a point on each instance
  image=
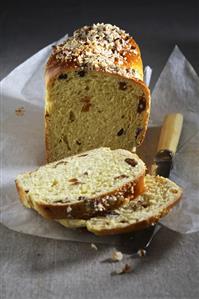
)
(167, 146)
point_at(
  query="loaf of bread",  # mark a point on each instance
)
(84, 185)
(160, 196)
(95, 94)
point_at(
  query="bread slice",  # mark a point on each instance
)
(160, 196)
(95, 94)
(84, 185)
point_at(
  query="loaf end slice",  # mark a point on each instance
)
(84, 185)
(160, 196)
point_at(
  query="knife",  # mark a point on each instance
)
(168, 143)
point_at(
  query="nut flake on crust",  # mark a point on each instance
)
(99, 47)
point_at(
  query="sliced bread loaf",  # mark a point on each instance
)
(84, 185)
(95, 94)
(160, 196)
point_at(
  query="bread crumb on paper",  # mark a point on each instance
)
(94, 246)
(20, 111)
(126, 269)
(117, 256)
(141, 252)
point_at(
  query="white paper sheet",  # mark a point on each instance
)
(22, 143)
(177, 90)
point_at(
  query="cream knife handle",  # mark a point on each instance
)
(170, 132)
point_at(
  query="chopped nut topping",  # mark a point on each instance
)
(100, 47)
(68, 209)
(99, 207)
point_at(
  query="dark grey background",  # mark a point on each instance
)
(27, 26)
(59, 269)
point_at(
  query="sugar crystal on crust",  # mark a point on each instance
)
(100, 47)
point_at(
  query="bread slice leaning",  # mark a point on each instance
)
(82, 186)
(160, 196)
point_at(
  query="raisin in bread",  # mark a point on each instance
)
(160, 196)
(84, 185)
(95, 94)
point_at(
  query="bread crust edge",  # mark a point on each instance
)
(139, 225)
(87, 208)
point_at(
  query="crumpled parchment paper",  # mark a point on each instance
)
(22, 143)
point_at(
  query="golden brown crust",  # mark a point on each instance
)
(91, 47)
(55, 68)
(86, 208)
